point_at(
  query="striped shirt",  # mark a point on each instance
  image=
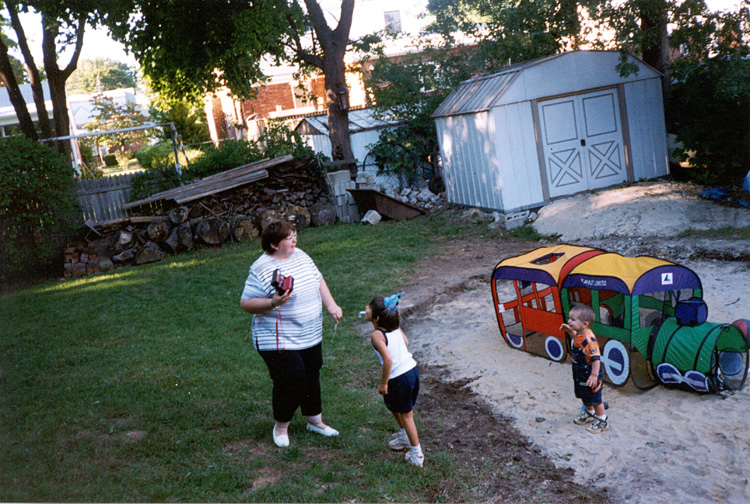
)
(299, 320)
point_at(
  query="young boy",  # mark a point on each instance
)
(588, 375)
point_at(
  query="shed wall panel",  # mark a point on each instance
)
(469, 168)
(519, 176)
(648, 134)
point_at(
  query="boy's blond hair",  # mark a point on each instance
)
(584, 312)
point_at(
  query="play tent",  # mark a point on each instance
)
(650, 318)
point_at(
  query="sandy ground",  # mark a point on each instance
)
(664, 445)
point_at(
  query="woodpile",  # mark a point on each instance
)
(228, 207)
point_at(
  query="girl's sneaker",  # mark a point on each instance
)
(414, 459)
(399, 442)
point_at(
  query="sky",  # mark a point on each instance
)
(97, 44)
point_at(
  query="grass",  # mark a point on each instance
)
(141, 385)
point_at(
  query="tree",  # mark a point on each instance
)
(63, 25)
(100, 74)
(182, 58)
(188, 118)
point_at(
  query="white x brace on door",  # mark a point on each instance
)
(583, 142)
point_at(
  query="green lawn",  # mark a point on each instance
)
(142, 384)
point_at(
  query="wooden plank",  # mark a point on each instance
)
(215, 181)
(213, 190)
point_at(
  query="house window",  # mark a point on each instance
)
(393, 21)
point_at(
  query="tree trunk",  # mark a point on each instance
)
(655, 45)
(14, 92)
(56, 77)
(334, 44)
(34, 78)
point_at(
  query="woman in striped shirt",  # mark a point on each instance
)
(288, 327)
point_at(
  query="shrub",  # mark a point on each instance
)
(110, 160)
(280, 140)
(161, 155)
(38, 209)
(153, 181)
(230, 154)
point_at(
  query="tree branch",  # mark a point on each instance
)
(299, 51)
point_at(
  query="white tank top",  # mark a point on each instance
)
(400, 355)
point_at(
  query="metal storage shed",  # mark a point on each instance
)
(551, 127)
(364, 130)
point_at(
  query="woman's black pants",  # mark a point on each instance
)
(296, 381)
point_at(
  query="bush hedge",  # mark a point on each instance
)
(38, 209)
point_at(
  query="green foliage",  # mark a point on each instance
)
(100, 74)
(110, 116)
(189, 121)
(110, 160)
(230, 154)
(191, 47)
(161, 155)
(37, 207)
(158, 179)
(279, 140)
(710, 110)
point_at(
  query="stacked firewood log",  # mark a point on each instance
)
(295, 191)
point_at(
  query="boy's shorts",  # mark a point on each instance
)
(584, 393)
(402, 392)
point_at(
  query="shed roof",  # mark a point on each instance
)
(574, 71)
(359, 120)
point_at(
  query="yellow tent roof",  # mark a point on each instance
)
(538, 260)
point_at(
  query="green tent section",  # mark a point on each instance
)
(639, 304)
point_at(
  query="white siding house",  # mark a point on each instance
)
(551, 127)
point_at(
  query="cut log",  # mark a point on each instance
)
(299, 217)
(243, 229)
(158, 231)
(123, 240)
(178, 215)
(149, 253)
(125, 256)
(186, 235)
(323, 214)
(172, 243)
(212, 231)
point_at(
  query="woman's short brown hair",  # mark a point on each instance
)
(273, 233)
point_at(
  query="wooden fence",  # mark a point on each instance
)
(102, 199)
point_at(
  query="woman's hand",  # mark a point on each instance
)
(383, 389)
(336, 312)
(278, 300)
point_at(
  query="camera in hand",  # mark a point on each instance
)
(282, 283)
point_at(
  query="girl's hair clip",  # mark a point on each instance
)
(391, 302)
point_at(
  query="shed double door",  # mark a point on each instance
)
(583, 142)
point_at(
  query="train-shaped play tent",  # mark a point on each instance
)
(650, 316)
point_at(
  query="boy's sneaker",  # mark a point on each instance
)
(414, 459)
(598, 426)
(399, 443)
(583, 418)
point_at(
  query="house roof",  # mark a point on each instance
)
(359, 120)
